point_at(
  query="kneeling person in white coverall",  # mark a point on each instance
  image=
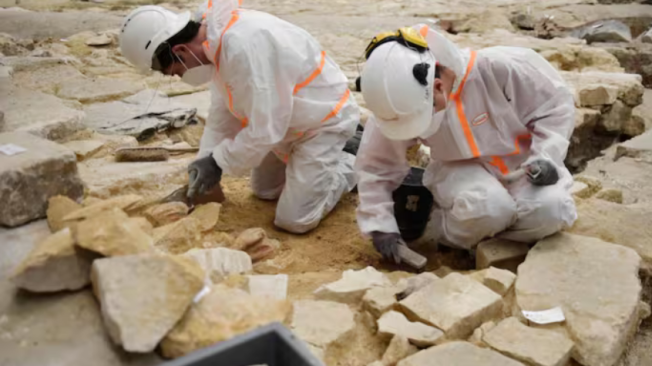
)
(486, 116)
(280, 105)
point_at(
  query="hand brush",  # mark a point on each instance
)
(157, 153)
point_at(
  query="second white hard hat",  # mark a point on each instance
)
(401, 100)
(146, 28)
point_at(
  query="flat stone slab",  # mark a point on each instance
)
(458, 354)
(40, 114)
(419, 334)
(30, 178)
(321, 323)
(538, 347)
(601, 307)
(455, 304)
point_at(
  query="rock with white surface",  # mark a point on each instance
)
(58, 208)
(569, 271)
(28, 179)
(143, 296)
(421, 335)
(455, 304)
(269, 286)
(500, 253)
(499, 280)
(208, 214)
(321, 323)
(178, 237)
(353, 285)
(54, 265)
(85, 149)
(219, 263)
(398, 349)
(458, 354)
(537, 347)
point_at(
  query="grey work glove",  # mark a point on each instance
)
(204, 174)
(387, 244)
(541, 173)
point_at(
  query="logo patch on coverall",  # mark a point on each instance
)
(477, 121)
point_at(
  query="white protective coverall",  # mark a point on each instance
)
(509, 106)
(281, 107)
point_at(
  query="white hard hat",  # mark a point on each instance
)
(146, 28)
(397, 86)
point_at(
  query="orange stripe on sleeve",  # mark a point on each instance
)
(500, 164)
(338, 107)
(234, 18)
(457, 97)
(313, 75)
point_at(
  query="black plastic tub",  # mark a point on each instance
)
(271, 345)
(412, 205)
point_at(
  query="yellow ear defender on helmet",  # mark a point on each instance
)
(407, 36)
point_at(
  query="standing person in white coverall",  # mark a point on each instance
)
(486, 116)
(280, 105)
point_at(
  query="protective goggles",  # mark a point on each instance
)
(407, 36)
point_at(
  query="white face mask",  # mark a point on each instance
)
(436, 121)
(197, 75)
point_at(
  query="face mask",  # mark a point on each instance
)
(197, 75)
(436, 121)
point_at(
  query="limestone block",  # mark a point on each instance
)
(639, 147)
(143, 224)
(270, 286)
(611, 195)
(255, 242)
(415, 283)
(500, 253)
(54, 265)
(627, 225)
(220, 315)
(647, 37)
(218, 263)
(125, 203)
(421, 335)
(30, 178)
(208, 215)
(321, 323)
(166, 213)
(112, 233)
(58, 208)
(456, 304)
(480, 332)
(178, 237)
(601, 307)
(85, 149)
(458, 353)
(398, 349)
(40, 114)
(378, 300)
(595, 95)
(353, 285)
(614, 119)
(537, 347)
(499, 280)
(97, 90)
(630, 89)
(143, 296)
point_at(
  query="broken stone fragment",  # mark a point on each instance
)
(120, 202)
(112, 233)
(455, 304)
(143, 296)
(480, 332)
(569, 271)
(353, 285)
(398, 349)
(58, 208)
(378, 300)
(415, 283)
(143, 224)
(270, 286)
(321, 323)
(581, 190)
(610, 195)
(604, 31)
(499, 280)
(99, 41)
(419, 334)
(614, 119)
(220, 315)
(54, 265)
(458, 353)
(500, 253)
(208, 215)
(166, 213)
(219, 263)
(639, 147)
(596, 95)
(178, 237)
(537, 347)
(84, 149)
(249, 238)
(647, 37)
(255, 242)
(28, 179)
